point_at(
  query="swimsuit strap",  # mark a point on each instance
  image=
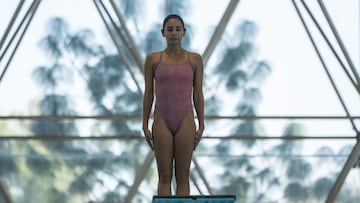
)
(155, 67)
(188, 58)
(160, 57)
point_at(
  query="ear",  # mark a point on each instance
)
(162, 32)
(184, 31)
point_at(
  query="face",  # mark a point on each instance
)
(173, 31)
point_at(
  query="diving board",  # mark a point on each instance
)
(195, 199)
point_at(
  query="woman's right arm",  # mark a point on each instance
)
(148, 95)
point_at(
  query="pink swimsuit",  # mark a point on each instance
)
(173, 89)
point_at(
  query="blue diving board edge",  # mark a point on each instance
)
(195, 198)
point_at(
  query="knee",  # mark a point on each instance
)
(182, 175)
(165, 177)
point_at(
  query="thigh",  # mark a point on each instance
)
(163, 144)
(184, 142)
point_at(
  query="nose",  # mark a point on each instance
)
(173, 33)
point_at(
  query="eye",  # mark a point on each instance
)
(169, 29)
(178, 29)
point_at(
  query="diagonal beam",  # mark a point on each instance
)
(129, 41)
(202, 176)
(355, 154)
(150, 157)
(340, 42)
(350, 162)
(9, 27)
(219, 31)
(341, 100)
(117, 45)
(357, 88)
(139, 177)
(21, 24)
(193, 179)
(29, 14)
(4, 195)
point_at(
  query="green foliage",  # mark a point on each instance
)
(56, 196)
(81, 185)
(295, 192)
(38, 163)
(298, 169)
(322, 187)
(7, 165)
(112, 197)
(153, 40)
(91, 171)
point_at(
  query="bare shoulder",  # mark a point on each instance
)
(196, 59)
(153, 57)
(195, 56)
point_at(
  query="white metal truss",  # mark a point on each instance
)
(118, 29)
(355, 154)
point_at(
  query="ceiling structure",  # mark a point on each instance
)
(117, 28)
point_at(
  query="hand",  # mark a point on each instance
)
(198, 135)
(149, 138)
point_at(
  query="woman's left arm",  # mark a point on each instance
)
(198, 95)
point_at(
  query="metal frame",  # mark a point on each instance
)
(355, 154)
(118, 31)
(27, 20)
(4, 194)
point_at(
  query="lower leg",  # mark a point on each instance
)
(164, 186)
(182, 184)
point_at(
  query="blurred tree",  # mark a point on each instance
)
(238, 77)
(92, 171)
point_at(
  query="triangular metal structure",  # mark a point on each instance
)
(353, 77)
(118, 29)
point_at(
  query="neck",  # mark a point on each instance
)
(174, 50)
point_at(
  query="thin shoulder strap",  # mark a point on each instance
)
(160, 57)
(188, 58)
(155, 67)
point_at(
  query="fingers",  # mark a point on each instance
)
(149, 140)
(198, 136)
(150, 143)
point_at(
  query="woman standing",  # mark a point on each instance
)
(175, 76)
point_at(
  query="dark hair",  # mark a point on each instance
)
(173, 16)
